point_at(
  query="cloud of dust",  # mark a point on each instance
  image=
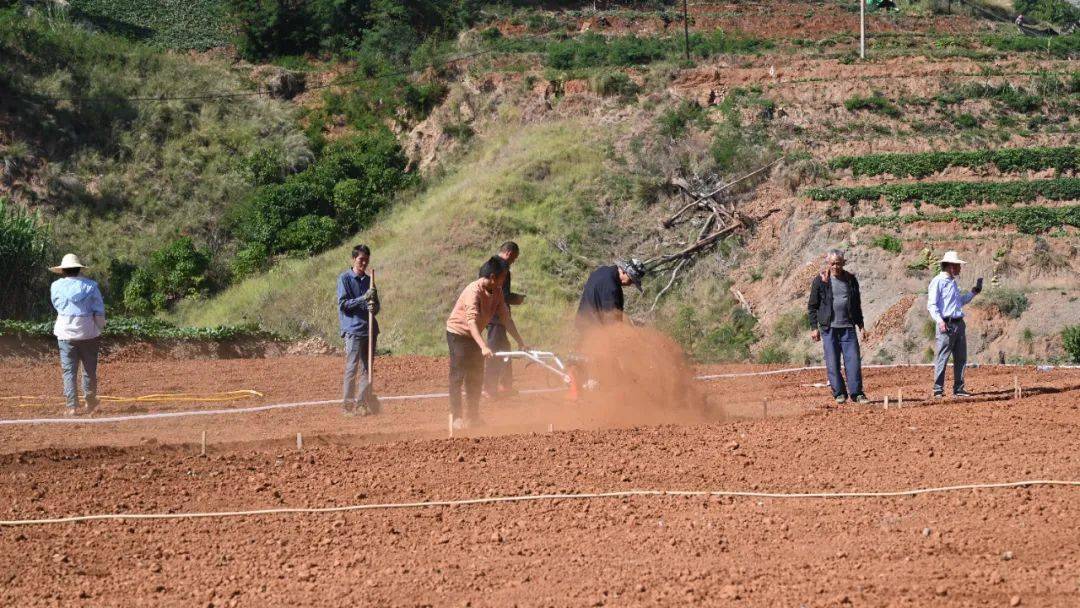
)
(641, 377)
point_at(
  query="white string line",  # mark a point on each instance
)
(239, 410)
(881, 366)
(278, 406)
(536, 497)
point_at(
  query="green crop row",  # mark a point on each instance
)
(1028, 220)
(149, 329)
(927, 163)
(956, 194)
(192, 24)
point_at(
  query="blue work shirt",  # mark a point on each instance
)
(76, 297)
(352, 309)
(944, 299)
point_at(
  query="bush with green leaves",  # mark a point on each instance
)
(922, 164)
(176, 271)
(1059, 12)
(389, 28)
(148, 328)
(1070, 338)
(191, 24)
(956, 194)
(25, 250)
(1056, 46)
(341, 193)
(1028, 220)
(674, 121)
(612, 84)
(592, 50)
(1010, 96)
(1009, 302)
(876, 103)
(888, 242)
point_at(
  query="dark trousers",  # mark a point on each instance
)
(498, 372)
(843, 341)
(953, 342)
(466, 367)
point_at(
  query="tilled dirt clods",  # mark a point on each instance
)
(971, 548)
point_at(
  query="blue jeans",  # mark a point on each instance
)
(356, 363)
(843, 341)
(72, 353)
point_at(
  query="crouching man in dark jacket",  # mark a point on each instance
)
(835, 310)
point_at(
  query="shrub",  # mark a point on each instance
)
(967, 121)
(177, 270)
(956, 194)
(876, 103)
(192, 24)
(25, 247)
(774, 354)
(1028, 220)
(673, 122)
(1070, 338)
(310, 234)
(354, 180)
(888, 242)
(790, 325)
(614, 83)
(1010, 302)
(1060, 12)
(923, 164)
(250, 260)
(148, 328)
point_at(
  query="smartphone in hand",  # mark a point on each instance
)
(978, 285)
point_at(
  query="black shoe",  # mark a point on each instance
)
(840, 399)
(938, 394)
(860, 398)
(348, 409)
(962, 393)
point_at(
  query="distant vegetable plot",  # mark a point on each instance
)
(176, 24)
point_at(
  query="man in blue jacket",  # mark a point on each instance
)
(80, 319)
(356, 296)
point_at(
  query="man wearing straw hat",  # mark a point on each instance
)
(945, 302)
(80, 319)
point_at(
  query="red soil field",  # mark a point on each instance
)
(965, 548)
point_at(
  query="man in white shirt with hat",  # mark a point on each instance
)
(945, 302)
(80, 319)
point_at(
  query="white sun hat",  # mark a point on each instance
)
(70, 261)
(950, 257)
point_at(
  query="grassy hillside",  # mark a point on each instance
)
(118, 177)
(176, 24)
(539, 184)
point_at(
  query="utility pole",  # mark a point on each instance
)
(686, 29)
(862, 29)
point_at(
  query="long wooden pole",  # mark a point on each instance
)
(371, 338)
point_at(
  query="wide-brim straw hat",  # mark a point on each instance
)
(950, 257)
(70, 261)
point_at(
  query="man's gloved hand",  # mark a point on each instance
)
(370, 295)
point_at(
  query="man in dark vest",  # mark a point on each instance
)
(835, 310)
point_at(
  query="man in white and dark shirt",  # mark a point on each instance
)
(945, 302)
(80, 319)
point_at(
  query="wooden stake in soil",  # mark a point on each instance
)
(764, 408)
(551, 428)
(299, 442)
(886, 402)
(450, 427)
(202, 452)
(371, 341)
(1016, 387)
(900, 398)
